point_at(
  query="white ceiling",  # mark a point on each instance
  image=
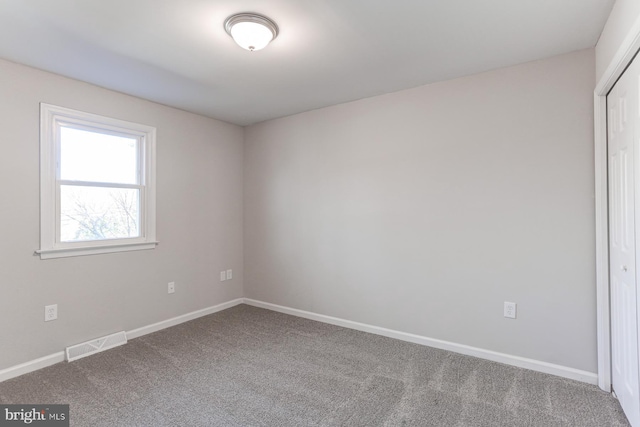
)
(177, 53)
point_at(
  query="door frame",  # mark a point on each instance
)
(620, 61)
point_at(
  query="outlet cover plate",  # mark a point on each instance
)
(510, 309)
(50, 312)
(171, 288)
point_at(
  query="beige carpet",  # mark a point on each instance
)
(251, 367)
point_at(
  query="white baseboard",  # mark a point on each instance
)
(135, 333)
(521, 362)
(33, 365)
(52, 359)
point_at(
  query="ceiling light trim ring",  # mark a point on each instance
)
(251, 17)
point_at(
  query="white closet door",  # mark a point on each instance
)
(624, 208)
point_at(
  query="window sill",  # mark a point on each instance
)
(94, 250)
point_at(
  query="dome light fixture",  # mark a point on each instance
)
(251, 31)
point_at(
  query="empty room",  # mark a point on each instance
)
(320, 213)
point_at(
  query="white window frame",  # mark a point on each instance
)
(52, 118)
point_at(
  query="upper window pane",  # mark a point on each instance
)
(98, 157)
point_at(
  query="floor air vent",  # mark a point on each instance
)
(88, 348)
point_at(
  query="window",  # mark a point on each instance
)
(97, 192)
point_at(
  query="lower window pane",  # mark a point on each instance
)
(97, 213)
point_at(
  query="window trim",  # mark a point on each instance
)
(51, 118)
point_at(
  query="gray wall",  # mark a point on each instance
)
(199, 223)
(423, 210)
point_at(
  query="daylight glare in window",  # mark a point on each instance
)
(98, 157)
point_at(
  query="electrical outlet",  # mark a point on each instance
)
(172, 287)
(510, 309)
(50, 312)
(223, 276)
(229, 274)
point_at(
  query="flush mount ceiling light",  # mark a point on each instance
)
(251, 31)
